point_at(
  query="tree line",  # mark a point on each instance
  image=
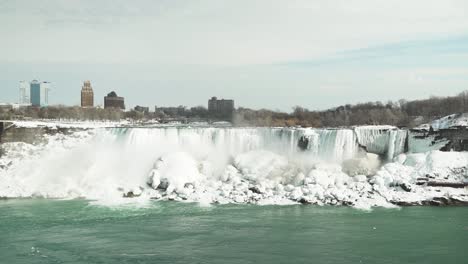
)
(400, 113)
(61, 112)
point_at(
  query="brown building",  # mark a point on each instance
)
(87, 95)
(221, 108)
(114, 101)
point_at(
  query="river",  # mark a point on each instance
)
(77, 231)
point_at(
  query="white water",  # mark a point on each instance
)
(255, 165)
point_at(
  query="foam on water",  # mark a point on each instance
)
(227, 165)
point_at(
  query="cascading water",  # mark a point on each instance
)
(255, 165)
(383, 140)
(342, 144)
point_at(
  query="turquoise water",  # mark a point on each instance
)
(45, 231)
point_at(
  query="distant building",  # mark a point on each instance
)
(39, 93)
(24, 92)
(87, 95)
(45, 88)
(114, 101)
(220, 108)
(141, 109)
(171, 110)
(35, 91)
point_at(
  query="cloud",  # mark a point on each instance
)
(215, 32)
(273, 54)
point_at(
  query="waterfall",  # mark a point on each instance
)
(227, 165)
(327, 144)
(192, 162)
(383, 140)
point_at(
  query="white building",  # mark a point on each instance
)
(45, 88)
(39, 93)
(24, 93)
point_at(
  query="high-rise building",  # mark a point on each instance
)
(24, 92)
(35, 88)
(87, 95)
(39, 93)
(45, 88)
(114, 101)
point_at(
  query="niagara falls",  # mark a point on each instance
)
(361, 167)
(233, 131)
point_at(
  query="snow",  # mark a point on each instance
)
(225, 165)
(68, 124)
(176, 169)
(450, 121)
(419, 142)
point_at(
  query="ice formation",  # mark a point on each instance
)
(362, 166)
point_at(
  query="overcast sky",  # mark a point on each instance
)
(264, 54)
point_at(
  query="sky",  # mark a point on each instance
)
(262, 53)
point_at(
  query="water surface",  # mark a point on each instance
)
(50, 231)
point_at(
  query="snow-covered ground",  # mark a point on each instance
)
(68, 124)
(210, 165)
(450, 121)
(53, 124)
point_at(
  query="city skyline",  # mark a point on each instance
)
(263, 54)
(35, 93)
